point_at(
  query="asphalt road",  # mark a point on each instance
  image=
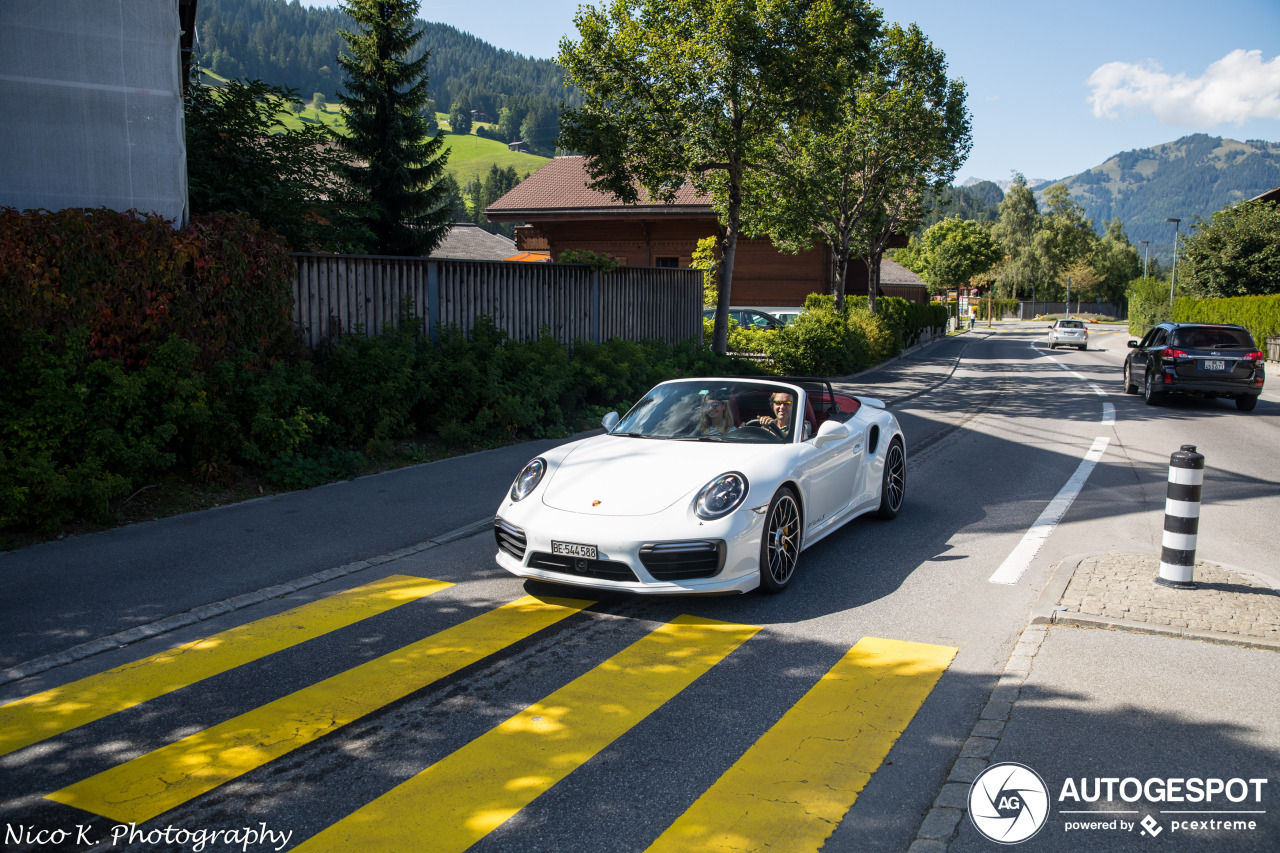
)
(994, 427)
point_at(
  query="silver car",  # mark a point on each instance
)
(1069, 333)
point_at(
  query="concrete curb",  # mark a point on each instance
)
(952, 803)
(228, 605)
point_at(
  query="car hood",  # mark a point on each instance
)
(617, 476)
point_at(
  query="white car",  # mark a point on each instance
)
(679, 497)
(1068, 333)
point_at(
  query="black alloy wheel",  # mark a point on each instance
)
(893, 483)
(1149, 393)
(1130, 387)
(780, 545)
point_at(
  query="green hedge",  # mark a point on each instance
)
(1259, 314)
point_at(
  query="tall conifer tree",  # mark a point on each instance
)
(396, 164)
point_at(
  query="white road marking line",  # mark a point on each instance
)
(1108, 414)
(1016, 563)
(1097, 390)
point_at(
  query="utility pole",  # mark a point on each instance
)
(1173, 278)
(1146, 256)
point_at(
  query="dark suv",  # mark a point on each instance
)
(1207, 360)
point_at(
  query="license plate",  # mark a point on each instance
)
(573, 549)
(1214, 364)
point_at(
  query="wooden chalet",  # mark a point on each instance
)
(558, 211)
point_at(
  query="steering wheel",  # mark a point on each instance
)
(753, 429)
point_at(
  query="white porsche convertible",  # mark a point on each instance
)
(709, 485)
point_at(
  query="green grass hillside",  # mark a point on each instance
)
(471, 157)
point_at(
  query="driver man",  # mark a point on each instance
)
(782, 406)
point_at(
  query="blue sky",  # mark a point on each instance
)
(1054, 87)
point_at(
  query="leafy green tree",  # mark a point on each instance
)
(1015, 232)
(318, 101)
(1065, 235)
(394, 163)
(242, 157)
(679, 91)
(1235, 253)
(1116, 262)
(899, 128)
(508, 125)
(460, 119)
(539, 129)
(954, 251)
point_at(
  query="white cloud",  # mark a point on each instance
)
(1237, 88)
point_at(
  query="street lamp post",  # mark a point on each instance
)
(1173, 278)
(1146, 257)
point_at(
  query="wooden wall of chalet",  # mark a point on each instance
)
(338, 293)
(762, 276)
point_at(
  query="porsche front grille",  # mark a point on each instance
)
(561, 564)
(510, 538)
(677, 561)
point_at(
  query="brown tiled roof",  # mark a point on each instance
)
(562, 185)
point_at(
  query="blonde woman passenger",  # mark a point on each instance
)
(714, 417)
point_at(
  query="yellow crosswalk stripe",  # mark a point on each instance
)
(465, 796)
(791, 789)
(52, 712)
(153, 783)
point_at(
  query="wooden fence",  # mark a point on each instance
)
(340, 293)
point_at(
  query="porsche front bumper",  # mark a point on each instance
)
(686, 556)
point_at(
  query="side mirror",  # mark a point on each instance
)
(1133, 344)
(830, 431)
(610, 421)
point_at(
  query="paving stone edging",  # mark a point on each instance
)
(228, 605)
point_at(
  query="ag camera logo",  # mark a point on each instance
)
(1008, 803)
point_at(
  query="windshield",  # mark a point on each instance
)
(1070, 324)
(1210, 338)
(750, 412)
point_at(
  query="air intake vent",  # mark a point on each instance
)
(676, 561)
(510, 538)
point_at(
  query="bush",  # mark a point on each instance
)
(129, 282)
(882, 344)
(600, 263)
(1259, 314)
(1148, 304)
(820, 342)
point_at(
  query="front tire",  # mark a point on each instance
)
(780, 544)
(893, 482)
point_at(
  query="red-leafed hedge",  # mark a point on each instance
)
(129, 282)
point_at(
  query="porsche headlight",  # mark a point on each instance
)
(721, 496)
(528, 479)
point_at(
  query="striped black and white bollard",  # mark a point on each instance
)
(1181, 519)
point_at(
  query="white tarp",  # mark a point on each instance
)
(91, 106)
